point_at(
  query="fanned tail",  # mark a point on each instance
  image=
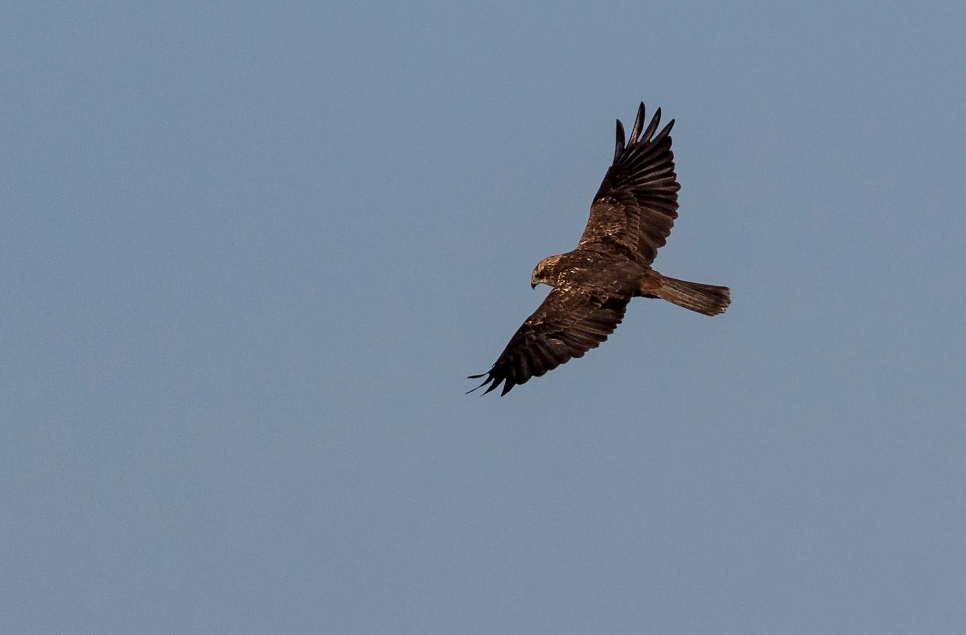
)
(703, 298)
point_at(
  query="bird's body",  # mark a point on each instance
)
(591, 269)
(630, 218)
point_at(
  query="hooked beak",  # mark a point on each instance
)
(533, 285)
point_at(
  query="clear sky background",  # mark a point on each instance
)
(250, 251)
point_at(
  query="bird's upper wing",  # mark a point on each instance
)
(567, 324)
(636, 205)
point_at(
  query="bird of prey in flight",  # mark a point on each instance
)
(630, 219)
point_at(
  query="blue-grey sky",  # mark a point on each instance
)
(250, 251)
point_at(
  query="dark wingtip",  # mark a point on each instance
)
(638, 123)
(665, 131)
(495, 383)
(652, 126)
(485, 382)
(619, 147)
(490, 377)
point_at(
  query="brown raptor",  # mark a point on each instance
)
(630, 219)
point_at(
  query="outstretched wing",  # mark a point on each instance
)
(567, 324)
(636, 205)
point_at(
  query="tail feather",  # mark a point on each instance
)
(703, 298)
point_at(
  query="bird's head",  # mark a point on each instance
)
(543, 272)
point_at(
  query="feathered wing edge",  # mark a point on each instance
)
(637, 137)
(560, 330)
(528, 354)
(640, 187)
(619, 147)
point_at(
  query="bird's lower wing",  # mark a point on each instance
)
(566, 325)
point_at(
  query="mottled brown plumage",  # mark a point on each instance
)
(630, 219)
